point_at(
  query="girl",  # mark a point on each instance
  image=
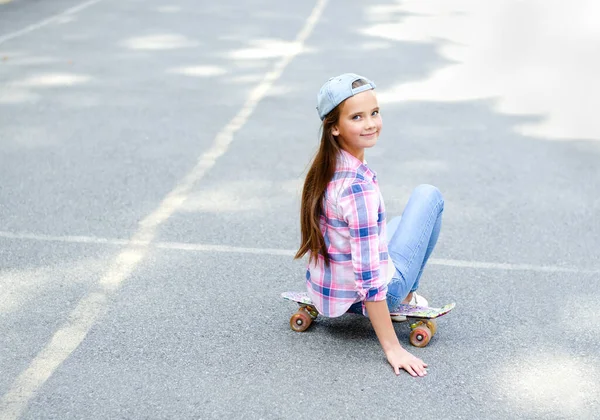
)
(354, 265)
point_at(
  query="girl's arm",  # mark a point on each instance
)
(396, 355)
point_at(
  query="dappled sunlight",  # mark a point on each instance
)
(266, 48)
(242, 196)
(20, 91)
(159, 42)
(23, 286)
(546, 64)
(550, 384)
(12, 96)
(198, 71)
(49, 80)
(238, 197)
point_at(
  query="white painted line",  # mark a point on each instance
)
(432, 261)
(224, 249)
(195, 247)
(71, 334)
(47, 21)
(73, 239)
(510, 267)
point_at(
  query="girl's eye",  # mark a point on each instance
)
(356, 117)
(375, 113)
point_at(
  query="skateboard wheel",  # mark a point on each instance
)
(420, 336)
(432, 325)
(301, 320)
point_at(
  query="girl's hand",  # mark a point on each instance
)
(400, 358)
(396, 355)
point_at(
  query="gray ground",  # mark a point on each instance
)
(98, 124)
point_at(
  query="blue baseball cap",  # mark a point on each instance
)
(337, 89)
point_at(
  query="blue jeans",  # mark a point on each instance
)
(411, 239)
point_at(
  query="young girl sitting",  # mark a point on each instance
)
(356, 262)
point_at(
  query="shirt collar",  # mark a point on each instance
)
(346, 161)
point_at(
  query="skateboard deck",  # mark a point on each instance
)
(422, 319)
(410, 311)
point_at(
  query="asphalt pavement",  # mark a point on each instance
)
(151, 161)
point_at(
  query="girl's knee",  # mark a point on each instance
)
(430, 193)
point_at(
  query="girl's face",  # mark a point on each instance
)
(359, 124)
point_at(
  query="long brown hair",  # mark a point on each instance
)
(320, 173)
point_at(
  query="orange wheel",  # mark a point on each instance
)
(420, 336)
(432, 325)
(301, 320)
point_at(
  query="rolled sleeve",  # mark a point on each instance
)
(359, 205)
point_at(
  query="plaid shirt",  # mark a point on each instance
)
(353, 226)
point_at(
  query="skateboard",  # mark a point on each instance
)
(422, 319)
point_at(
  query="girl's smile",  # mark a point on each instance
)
(370, 135)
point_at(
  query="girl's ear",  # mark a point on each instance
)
(335, 130)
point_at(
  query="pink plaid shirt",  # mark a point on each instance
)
(353, 225)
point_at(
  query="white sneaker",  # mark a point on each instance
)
(416, 300)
